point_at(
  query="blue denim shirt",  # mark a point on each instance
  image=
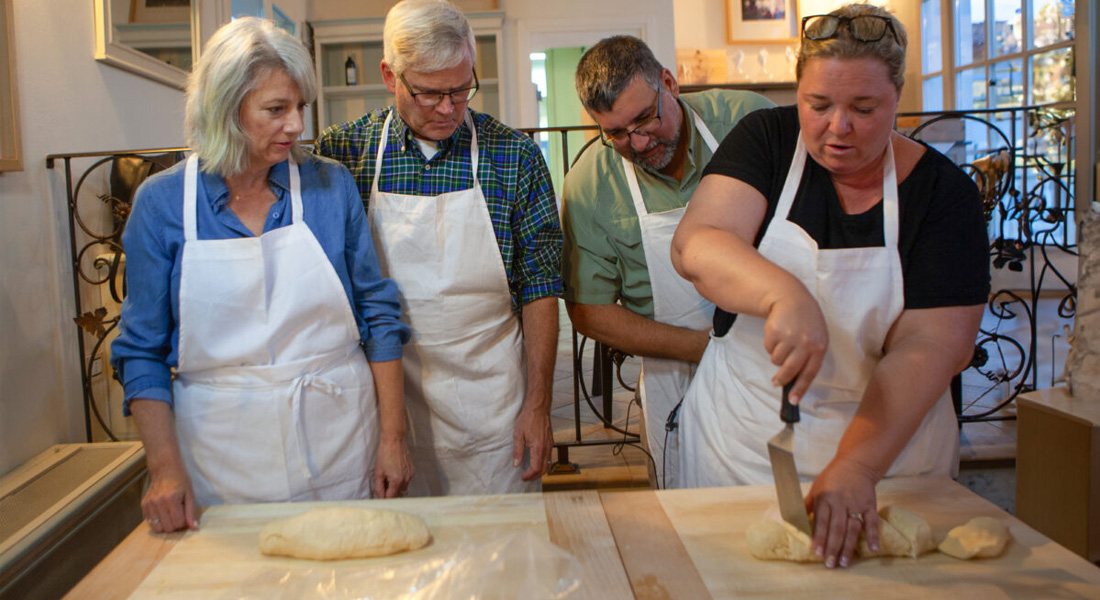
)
(148, 343)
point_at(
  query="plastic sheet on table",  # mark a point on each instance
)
(517, 566)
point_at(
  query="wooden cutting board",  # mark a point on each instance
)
(711, 524)
(223, 559)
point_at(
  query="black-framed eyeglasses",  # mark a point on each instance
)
(863, 28)
(648, 124)
(427, 99)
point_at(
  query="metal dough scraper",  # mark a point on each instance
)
(781, 453)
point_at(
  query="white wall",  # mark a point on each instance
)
(68, 103)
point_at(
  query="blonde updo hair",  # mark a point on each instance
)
(234, 61)
(843, 46)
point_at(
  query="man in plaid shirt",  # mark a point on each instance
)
(464, 216)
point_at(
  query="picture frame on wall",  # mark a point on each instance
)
(160, 11)
(11, 146)
(761, 21)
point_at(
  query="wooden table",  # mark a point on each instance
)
(634, 544)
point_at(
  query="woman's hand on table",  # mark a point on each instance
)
(796, 338)
(842, 500)
(393, 468)
(169, 502)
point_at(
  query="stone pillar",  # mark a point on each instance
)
(1083, 361)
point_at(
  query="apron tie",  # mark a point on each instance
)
(297, 410)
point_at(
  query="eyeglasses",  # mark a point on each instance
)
(864, 28)
(427, 99)
(648, 124)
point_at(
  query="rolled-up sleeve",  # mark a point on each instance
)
(537, 229)
(140, 353)
(375, 298)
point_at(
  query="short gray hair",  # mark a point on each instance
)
(844, 46)
(426, 36)
(233, 62)
(608, 67)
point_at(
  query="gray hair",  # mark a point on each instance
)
(426, 36)
(608, 67)
(844, 46)
(233, 62)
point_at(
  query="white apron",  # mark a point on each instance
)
(663, 381)
(732, 408)
(274, 400)
(464, 368)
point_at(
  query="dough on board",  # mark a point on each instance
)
(902, 532)
(980, 537)
(772, 540)
(341, 532)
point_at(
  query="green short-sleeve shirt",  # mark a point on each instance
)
(603, 261)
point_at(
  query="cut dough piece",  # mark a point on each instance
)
(340, 532)
(769, 540)
(980, 537)
(891, 542)
(901, 532)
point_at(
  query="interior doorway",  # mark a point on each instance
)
(558, 105)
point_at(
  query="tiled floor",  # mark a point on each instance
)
(988, 449)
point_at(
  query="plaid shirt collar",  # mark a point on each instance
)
(401, 132)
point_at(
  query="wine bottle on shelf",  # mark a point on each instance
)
(350, 77)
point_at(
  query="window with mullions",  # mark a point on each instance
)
(988, 55)
(1020, 50)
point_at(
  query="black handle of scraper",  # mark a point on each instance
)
(789, 412)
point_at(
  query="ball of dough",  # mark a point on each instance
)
(769, 540)
(980, 537)
(341, 532)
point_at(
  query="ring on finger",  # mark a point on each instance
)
(153, 521)
(855, 515)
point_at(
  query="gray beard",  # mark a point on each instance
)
(662, 159)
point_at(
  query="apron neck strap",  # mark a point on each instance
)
(708, 137)
(632, 177)
(889, 190)
(295, 190)
(386, 136)
(190, 185)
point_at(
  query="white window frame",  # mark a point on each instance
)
(949, 70)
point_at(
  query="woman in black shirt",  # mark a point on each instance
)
(855, 260)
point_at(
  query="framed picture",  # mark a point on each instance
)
(160, 11)
(761, 21)
(11, 148)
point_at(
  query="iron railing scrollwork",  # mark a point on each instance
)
(1025, 173)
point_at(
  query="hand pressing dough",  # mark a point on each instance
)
(341, 532)
(980, 537)
(902, 532)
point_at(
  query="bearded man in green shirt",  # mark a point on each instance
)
(622, 201)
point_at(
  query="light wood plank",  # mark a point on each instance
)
(578, 525)
(655, 559)
(123, 570)
(712, 523)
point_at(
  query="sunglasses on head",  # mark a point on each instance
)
(864, 28)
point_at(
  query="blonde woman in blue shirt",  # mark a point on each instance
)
(252, 275)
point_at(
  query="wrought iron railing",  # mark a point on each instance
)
(1021, 159)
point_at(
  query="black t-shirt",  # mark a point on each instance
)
(943, 243)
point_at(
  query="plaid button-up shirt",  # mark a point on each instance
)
(513, 177)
